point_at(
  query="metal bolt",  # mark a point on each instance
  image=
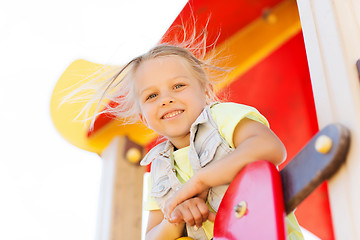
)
(323, 144)
(240, 209)
(133, 155)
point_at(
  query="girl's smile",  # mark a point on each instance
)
(172, 114)
(170, 97)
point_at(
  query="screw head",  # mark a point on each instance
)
(133, 155)
(323, 144)
(240, 209)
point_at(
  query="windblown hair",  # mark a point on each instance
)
(119, 89)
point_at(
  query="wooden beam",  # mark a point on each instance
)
(331, 31)
(120, 203)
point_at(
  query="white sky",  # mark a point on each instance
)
(49, 188)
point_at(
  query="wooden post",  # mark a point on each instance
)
(331, 31)
(120, 203)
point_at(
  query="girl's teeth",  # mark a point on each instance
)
(173, 114)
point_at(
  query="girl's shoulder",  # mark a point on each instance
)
(231, 106)
(224, 112)
(161, 148)
(227, 116)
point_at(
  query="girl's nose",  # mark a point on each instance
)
(167, 100)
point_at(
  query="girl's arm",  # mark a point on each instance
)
(158, 228)
(253, 141)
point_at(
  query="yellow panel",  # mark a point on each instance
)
(75, 131)
(138, 133)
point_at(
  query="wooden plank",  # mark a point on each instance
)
(120, 203)
(332, 35)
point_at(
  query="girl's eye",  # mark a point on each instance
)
(177, 86)
(151, 96)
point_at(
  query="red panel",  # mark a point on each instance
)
(259, 185)
(279, 87)
(227, 17)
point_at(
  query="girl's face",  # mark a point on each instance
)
(170, 98)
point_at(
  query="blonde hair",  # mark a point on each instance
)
(119, 89)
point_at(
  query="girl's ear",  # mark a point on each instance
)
(208, 92)
(143, 119)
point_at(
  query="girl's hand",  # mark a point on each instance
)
(194, 187)
(193, 211)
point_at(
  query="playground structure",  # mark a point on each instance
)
(299, 88)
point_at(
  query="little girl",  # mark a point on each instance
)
(207, 143)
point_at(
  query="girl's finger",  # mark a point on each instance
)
(211, 216)
(204, 210)
(168, 209)
(197, 216)
(176, 217)
(187, 216)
